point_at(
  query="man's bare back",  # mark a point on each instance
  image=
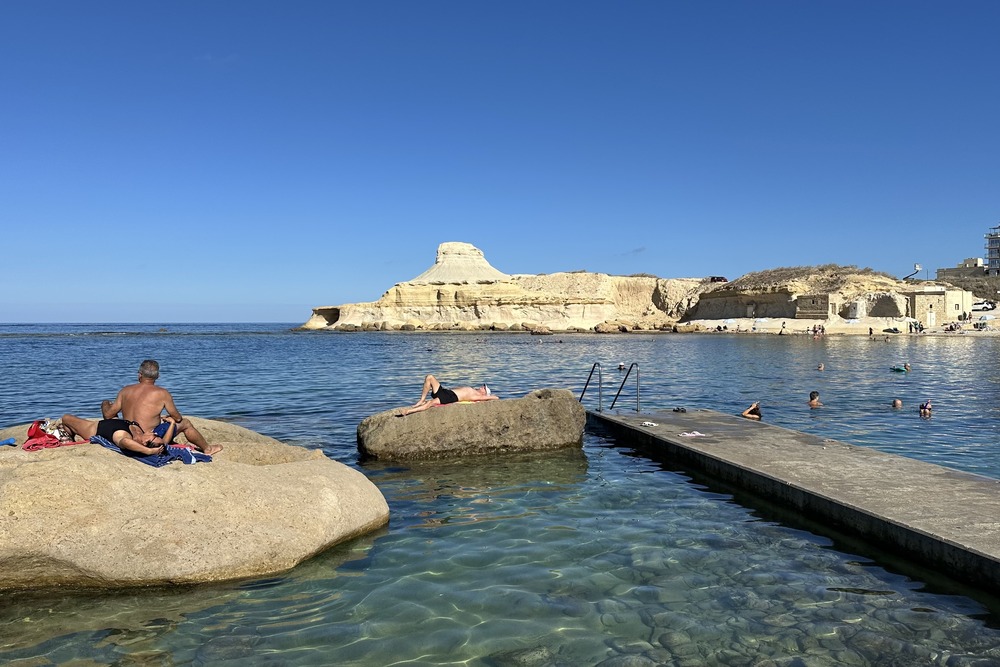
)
(144, 403)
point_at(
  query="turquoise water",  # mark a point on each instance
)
(600, 556)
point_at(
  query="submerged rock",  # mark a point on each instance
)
(85, 516)
(544, 419)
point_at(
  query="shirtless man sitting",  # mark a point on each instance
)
(443, 396)
(144, 402)
(128, 435)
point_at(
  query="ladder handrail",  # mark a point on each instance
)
(624, 379)
(600, 385)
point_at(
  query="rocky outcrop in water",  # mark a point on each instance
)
(462, 291)
(545, 419)
(85, 516)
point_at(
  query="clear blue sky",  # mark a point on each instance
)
(246, 161)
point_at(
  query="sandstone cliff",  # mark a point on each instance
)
(462, 291)
(818, 292)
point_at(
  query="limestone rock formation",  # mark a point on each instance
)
(462, 291)
(459, 263)
(545, 419)
(85, 516)
(812, 291)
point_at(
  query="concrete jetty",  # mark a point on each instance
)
(939, 517)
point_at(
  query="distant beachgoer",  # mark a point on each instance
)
(820, 367)
(753, 412)
(782, 332)
(925, 408)
(871, 332)
(440, 395)
(814, 400)
(896, 404)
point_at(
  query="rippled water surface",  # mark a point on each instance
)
(604, 555)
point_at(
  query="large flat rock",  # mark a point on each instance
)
(544, 419)
(85, 516)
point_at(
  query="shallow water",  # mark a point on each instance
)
(587, 556)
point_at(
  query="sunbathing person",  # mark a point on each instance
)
(144, 403)
(440, 395)
(127, 435)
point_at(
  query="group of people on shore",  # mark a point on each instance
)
(142, 428)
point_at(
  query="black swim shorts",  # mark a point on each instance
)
(106, 428)
(446, 396)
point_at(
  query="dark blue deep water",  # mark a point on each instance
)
(604, 556)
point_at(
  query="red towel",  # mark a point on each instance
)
(44, 441)
(39, 439)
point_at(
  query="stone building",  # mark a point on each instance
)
(933, 305)
(815, 306)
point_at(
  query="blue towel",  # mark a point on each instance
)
(181, 454)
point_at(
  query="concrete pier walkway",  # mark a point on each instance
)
(939, 517)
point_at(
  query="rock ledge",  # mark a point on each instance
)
(544, 419)
(85, 516)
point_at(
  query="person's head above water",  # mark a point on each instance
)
(896, 403)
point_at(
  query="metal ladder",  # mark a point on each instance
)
(600, 386)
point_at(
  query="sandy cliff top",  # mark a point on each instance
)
(824, 279)
(459, 263)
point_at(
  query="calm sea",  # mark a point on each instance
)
(602, 556)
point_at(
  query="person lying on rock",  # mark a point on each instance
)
(441, 395)
(128, 435)
(144, 402)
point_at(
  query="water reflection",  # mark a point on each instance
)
(469, 491)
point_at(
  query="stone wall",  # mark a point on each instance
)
(815, 306)
(728, 304)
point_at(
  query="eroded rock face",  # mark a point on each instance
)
(85, 516)
(544, 419)
(462, 291)
(458, 263)
(774, 293)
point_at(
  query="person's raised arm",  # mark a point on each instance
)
(168, 405)
(750, 413)
(171, 430)
(110, 409)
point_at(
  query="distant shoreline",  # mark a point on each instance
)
(740, 326)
